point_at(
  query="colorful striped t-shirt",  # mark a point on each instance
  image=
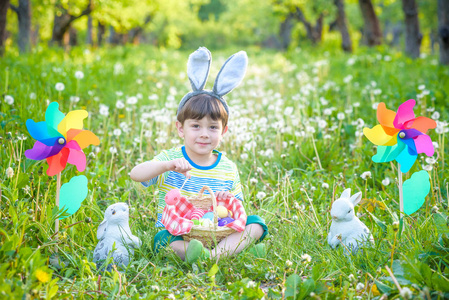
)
(221, 176)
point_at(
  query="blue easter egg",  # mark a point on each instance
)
(225, 221)
(209, 215)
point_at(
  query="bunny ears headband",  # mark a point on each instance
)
(229, 77)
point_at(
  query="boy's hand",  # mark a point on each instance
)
(180, 165)
(223, 195)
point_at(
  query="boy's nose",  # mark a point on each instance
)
(204, 133)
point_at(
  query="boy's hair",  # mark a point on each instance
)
(203, 105)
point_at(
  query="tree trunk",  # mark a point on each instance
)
(372, 34)
(397, 33)
(89, 39)
(314, 33)
(73, 37)
(112, 35)
(285, 32)
(443, 30)
(342, 25)
(4, 6)
(62, 21)
(100, 33)
(412, 35)
(135, 33)
(23, 12)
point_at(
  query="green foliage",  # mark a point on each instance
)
(295, 136)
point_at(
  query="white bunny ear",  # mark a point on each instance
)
(355, 199)
(198, 68)
(102, 229)
(231, 73)
(346, 193)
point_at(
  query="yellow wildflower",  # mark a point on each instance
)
(42, 276)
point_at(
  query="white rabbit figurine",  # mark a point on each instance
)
(114, 233)
(346, 228)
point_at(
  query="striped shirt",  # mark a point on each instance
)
(221, 176)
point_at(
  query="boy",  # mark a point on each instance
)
(201, 121)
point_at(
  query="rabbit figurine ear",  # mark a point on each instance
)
(231, 73)
(198, 68)
(355, 199)
(102, 229)
(346, 194)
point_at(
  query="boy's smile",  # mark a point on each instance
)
(201, 137)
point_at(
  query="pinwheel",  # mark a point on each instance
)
(60, 139)
(401, 136)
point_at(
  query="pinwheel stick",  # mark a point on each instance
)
(401, 200)
(58, 188)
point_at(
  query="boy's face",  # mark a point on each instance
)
(201, 136)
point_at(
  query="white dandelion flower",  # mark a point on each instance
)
(9, 99)
(306, 257)
(79, 75)
(59, 86)
(104, 110)
(119, 104)
(365, 175)
(9, 172)
(261, 195)
(113, 150)
(117, 132)
(406, 293)
(131, 100)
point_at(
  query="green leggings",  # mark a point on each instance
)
(163, 237)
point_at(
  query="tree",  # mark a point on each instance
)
(89, 39)
(372, 34)
(4, 5)
(413, 36)
(303, 12)
(342, 25)
(23, 11)
(285, 31)
(314, 32)
(63, 19)
(443, 30)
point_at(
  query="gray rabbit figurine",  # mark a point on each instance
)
(114, 233)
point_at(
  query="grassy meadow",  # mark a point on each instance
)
(295, 133)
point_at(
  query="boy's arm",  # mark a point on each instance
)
(150, 169)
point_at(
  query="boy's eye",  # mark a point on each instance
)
(214, 127)
(195, 125)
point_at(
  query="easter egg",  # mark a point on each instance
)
(172, 197)
(196, 222)
(222, 212)
(206, 222)
(209, 215)
(224, 221)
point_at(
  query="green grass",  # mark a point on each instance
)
(273, 129)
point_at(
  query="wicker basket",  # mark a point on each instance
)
(209, 236)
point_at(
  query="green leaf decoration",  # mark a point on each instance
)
(415, 191)
(72, 194)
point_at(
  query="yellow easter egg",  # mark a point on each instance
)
(222, 212)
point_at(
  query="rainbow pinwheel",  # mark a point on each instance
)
(60, 139)
(400, 136)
